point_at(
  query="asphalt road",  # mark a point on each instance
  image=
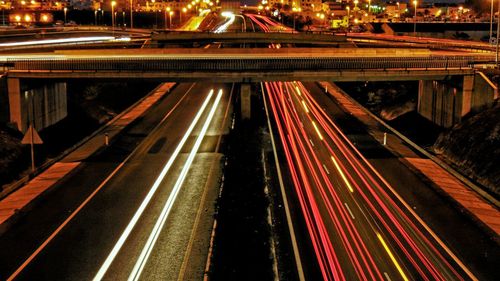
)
(82, 246)
(357, 224)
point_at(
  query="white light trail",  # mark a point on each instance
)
(64, 40)
(155, 233)
(107, 263)
(230, 20)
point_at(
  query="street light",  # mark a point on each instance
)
(498, 34)
(156, 14)
(131, 14)
(415, 20)
(184, 10)
(95, 17)
(165, 17)
(348, 16)
(491, 22)
(293, 12)
(65, 11)
(170, 19)
(113, 4)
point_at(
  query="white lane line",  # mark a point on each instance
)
(387, 276)
(326, 169)
(87, 200)
(155, 233)
(107, 263)
(310, 140)
(349, 210)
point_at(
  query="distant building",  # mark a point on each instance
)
(81, 4)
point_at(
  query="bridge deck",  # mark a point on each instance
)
(255, 64)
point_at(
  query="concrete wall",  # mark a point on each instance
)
(485, 92)
(44, 104)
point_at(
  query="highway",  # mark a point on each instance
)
(359, 227)
(135, 210)
(140, 209)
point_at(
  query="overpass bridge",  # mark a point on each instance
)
(236, 65)
(183, 37)
(449, 85)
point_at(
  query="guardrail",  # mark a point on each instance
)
(240, 63)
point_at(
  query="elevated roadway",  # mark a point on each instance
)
(243, 65)
(250, 37)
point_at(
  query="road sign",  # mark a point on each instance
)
(31, 136)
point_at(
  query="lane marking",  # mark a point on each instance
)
(107, 263)
(349, 210)
(403, 275)
(387, 276)
(326, 169)
(85, 202)
(310, 140)
(155, 233)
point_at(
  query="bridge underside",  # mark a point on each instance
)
(249, 76)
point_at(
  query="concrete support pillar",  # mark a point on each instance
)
(425, 99)
(4, 101)
(466, 96)
(245, 94)
(42, 105)
(17, 109)
(437, 102)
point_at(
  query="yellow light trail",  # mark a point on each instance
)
(305, 106)
(342, 174)
(392, 256)
(317, 130)
(298, 90)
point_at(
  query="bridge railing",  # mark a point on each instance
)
(235, 63)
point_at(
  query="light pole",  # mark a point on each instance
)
(113, 4)
(131, 14)
(294, 10)
(156, 15)
(415, 19)
(498, 34)
(170, 19)
(348, 16)
(95, 17)
(491, 22)
(399, 12)
(3, 12)
(167, 10)
(65, 11)
(123, 19)
(184, 10)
